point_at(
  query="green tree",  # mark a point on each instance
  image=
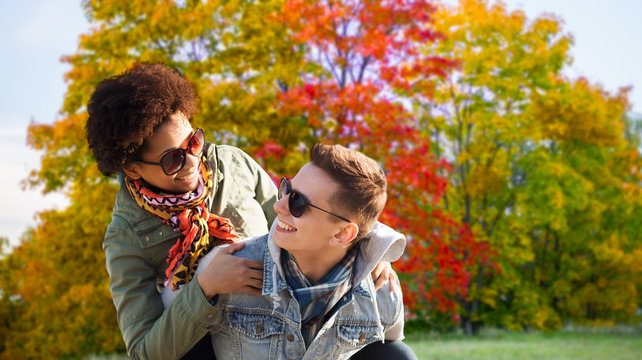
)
(542, 170)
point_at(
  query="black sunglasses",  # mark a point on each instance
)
(173, 161)
(297, 202)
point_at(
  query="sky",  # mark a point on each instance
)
(36, 33)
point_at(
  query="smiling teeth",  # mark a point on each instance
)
(186, 177)
(285, 226)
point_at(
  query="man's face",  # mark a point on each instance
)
(172, 134)
(311, 233)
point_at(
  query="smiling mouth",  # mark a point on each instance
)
(285, 226)
(187, 177)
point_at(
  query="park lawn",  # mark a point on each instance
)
(503, 345)
(498, 345)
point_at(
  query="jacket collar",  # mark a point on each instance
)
(381, 244)
(141, 221)
(273, 275)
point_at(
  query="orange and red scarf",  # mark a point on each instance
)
(189, 214)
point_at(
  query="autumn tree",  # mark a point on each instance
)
(232, 51)
(248, 61)
(517, 187)
(364, 69)
(541, 164)
(59, 288)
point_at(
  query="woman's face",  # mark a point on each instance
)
(172, 134)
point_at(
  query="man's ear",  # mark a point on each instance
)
(347, 233)
(133, 171)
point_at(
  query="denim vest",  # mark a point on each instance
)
(269, 326)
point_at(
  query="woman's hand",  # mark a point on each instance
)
(383, 272)
(227, 273)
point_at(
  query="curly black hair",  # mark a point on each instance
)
(124, 111)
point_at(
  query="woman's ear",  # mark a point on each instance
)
(347, 233)
(133, 171)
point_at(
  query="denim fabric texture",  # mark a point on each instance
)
(269, 326)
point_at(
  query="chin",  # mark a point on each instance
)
(187, 186)
(178, 189)
(278, 241)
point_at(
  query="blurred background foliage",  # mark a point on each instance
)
(520, 189)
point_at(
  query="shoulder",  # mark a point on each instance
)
(131, 224)
(228, 150)
(125, 213)
(230, 156)
(254, 248)
(125, 206)
(230, 161)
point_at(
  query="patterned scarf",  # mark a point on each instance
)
(316, 301)
(189, 214)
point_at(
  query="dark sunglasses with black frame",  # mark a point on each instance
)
(173, 161)
(297, 202)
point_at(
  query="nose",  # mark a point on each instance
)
(281, 206)
(191, 161)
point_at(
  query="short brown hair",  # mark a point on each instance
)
(125, 110)
(363, 183)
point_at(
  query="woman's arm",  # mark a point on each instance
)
(149, 331)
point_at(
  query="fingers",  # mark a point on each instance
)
(384, 274)
(233, 247)
(393, 281)
(228, 273)
(250, 290)
(251, 282)
(257, 284)
(376, 273)
(381, 274)
(253, 264)
(379, 282)
(252, 274)
(252, 278)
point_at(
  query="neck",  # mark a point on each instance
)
(315, 267)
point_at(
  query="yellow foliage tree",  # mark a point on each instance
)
(56, 301)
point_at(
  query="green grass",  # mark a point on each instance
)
(502, 345)
(491, 344)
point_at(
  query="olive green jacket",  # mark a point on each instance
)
(136, 246)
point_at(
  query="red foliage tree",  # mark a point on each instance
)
(365, 69)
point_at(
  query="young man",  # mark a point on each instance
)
(317, 298)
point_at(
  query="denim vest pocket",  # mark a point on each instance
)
(256, 336)
(357, 335)
(256, 326)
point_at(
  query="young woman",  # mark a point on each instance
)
(179, 198)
